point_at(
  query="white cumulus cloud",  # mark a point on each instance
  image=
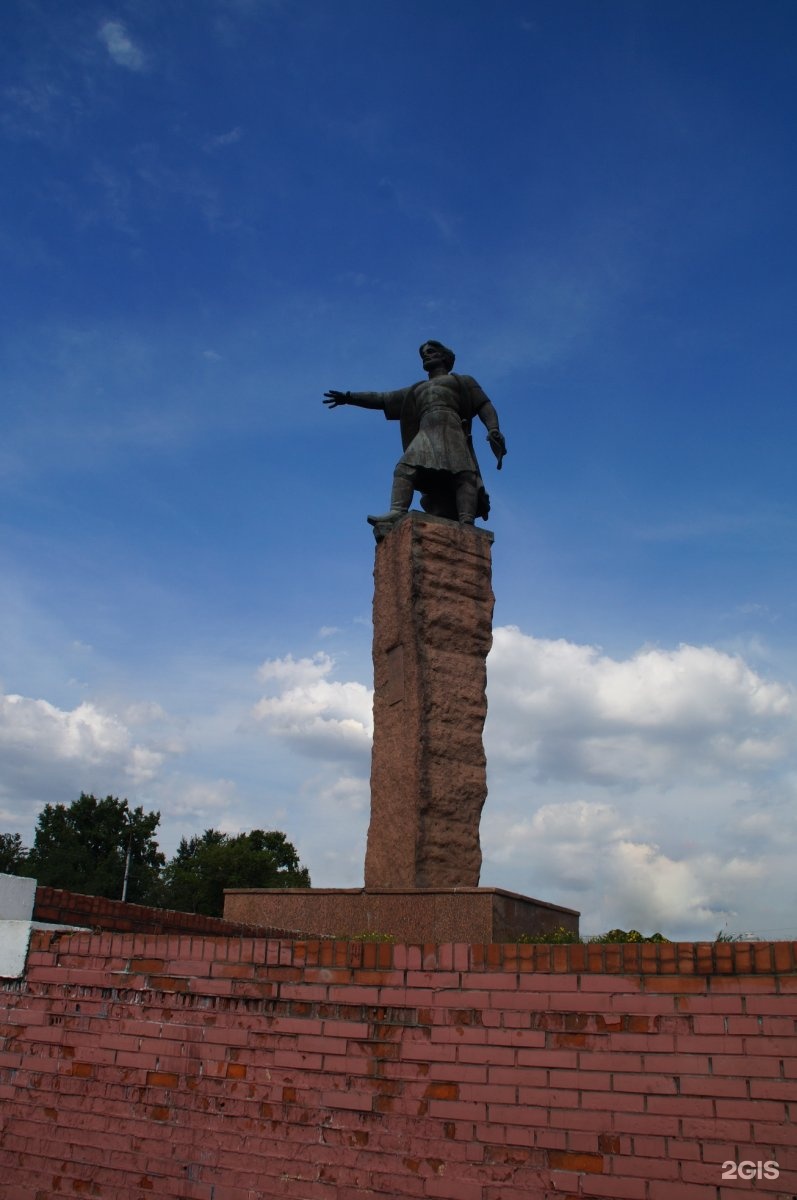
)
(121, 46)
(592, 855)
(655, 791)
(567, 711)
(315, 713)
(224, 139)
(48, 751)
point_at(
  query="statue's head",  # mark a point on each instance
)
(432, 351)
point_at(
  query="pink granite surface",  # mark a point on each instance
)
(419, 915)
(433, 606)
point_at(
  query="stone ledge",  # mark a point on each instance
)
(467, 914)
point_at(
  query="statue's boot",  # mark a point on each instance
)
(467, 498)
(400, 501)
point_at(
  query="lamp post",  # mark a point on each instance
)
(127, 863)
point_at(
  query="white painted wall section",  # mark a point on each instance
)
(17, 897)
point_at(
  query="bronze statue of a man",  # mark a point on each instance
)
(438, 460)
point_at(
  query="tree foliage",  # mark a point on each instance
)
(84, 847)
(13, 855)
(195, 879)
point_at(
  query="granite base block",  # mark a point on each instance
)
(478, 914)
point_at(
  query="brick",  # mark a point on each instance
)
(708, 1004)
(586, 1142)
(82, 1070)
(725, 1044)
(565, 1185)
(524, 1038)
(656, 1043)
(575, 1040)
(712, 1085)
(599, 1060)
(613, 1187)
(677, 1064)
(298, 1059)
(715, 1129)
(569, 1119)
(671, 1190)
(582, 1080)
(611, 1023)
(341, 1099)
(557, 984)
(679, 985)
(454, 1189)
(511, 1001)
(544, 1097)
(712, 1023)
(735, 1025)
(353, 994)
(147, 966)
(774, 1135)
(478, 980)
(758, 1110)
(682, 1106)
(686, 1151)
(515, 1114)
(446, 1053)
(299, 1025)
(785, 960)
(565, 1160)
(770, 1005)
(745, 1066)
(648, 1084)
(162, 1079)
(458, 1110)
(547, 1058)
(226, 1035)
(650, 1147)
(636, 1165)
(617, 986)
(442, 1091)
(498, 1055)
(616, 1102)
(651, 1124)
(460, 1034)
(773, 1089)
(744, 985)
(783, 1047)
(777, 1026)
(529, 1076)
(456, 1072)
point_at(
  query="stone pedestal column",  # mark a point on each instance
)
(433, 609)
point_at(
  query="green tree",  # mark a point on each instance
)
(84, 848)
(13, 855)
(195, 879)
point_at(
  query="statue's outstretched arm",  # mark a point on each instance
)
(359, 399)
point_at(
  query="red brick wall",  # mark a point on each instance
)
(240, 1069)
(56, 906)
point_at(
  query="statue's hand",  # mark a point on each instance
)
(333, 399)
(497, 445)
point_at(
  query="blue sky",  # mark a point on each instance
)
(212, 212)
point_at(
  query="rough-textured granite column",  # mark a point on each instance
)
(433, 609)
